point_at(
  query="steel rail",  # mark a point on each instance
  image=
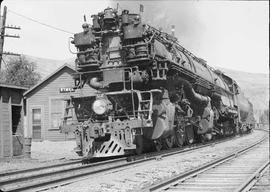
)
(252, 180)
(39, 168)
(67, 175)
(70, 173)
(83, 172)
(39, 175)
(130, 158)
(184, 176)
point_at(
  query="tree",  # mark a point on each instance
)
(21, 72)
(264, 118)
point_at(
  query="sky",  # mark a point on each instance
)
(228, 34)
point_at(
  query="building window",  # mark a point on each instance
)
(36, 123)
(56, 113)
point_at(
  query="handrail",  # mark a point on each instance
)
(69, 45)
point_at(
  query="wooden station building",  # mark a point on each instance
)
(45, 105)
(11, 120)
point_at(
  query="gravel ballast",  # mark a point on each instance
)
(137, 177)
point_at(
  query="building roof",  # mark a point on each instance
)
(12, 86)
(49, 77)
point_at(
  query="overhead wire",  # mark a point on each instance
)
(41, 23)
(5, 63)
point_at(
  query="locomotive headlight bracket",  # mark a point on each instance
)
(100, 106)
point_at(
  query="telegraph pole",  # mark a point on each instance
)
(3, 35)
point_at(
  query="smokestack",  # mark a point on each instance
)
(141, 8)
(173, 30)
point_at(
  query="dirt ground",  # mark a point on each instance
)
(42, 153)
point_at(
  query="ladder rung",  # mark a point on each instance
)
(67, 117)
(142, 101)
(69, 107)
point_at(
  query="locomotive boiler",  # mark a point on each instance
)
(150, 91)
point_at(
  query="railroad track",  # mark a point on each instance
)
(46, 177)
(234, 172)
(40, 168)
(255, 177)
(262, 181)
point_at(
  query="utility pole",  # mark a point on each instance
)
(3, 35)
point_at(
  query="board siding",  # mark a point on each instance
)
(6, 126)
(41, 96)
(1, 133)
(9, 97)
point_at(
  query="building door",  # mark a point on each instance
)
(16, 119)
(36, 123)
(17, 130)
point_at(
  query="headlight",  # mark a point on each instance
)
(99, 106)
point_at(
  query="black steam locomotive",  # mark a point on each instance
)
(150, 91)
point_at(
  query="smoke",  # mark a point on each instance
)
(164, 14)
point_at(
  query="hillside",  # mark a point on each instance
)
(254, 85)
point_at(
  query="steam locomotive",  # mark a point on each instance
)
(151, 93)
